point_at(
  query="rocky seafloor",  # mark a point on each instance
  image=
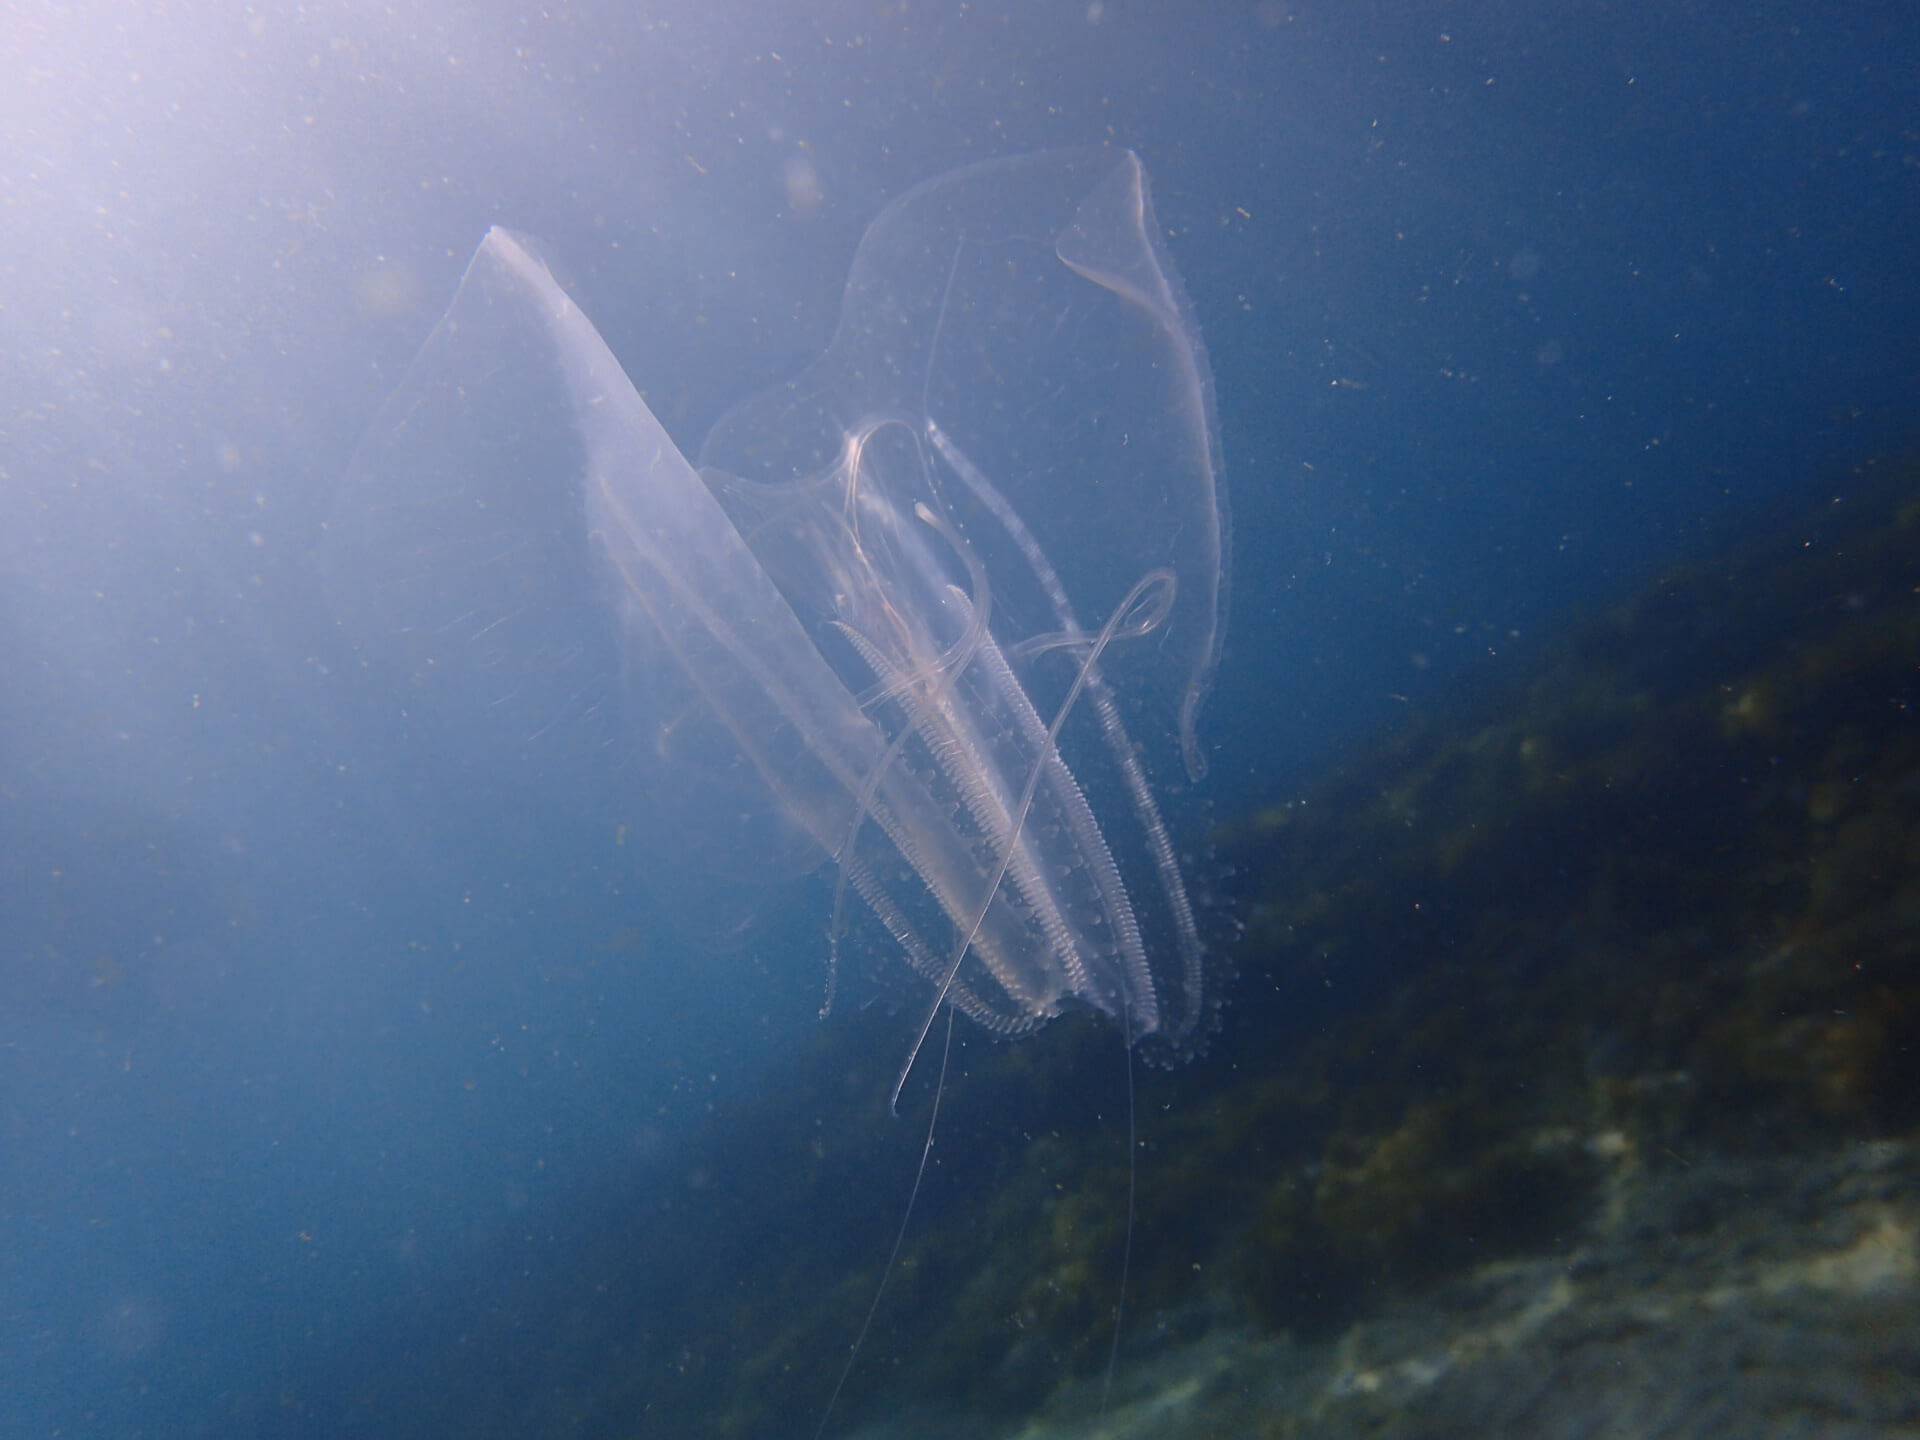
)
(1624, 1138)
(1570, 1087)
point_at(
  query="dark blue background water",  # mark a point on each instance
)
(1506, 304)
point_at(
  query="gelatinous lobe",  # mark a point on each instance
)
(942, 611)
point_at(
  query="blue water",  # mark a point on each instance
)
(299, 1016)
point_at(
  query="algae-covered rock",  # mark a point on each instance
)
(1654, 905)
(1574, 1067)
